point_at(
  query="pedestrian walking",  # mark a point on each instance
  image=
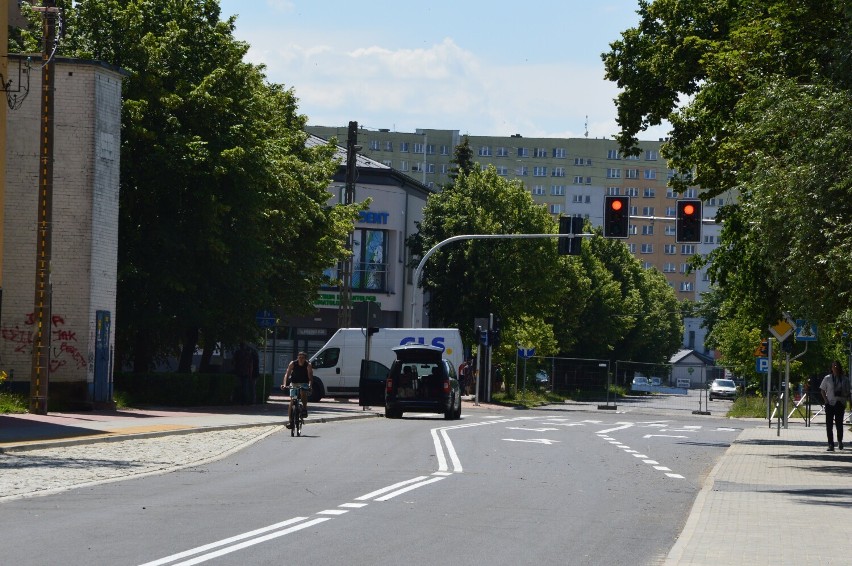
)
(835, 393)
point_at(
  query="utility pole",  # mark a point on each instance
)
(344, 314)
(40, 374)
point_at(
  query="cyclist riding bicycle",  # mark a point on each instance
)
(298, 372)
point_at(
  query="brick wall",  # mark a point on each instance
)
(85, 221)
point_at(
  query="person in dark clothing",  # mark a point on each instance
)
(299, 371)
(835, 393)
(245, 367)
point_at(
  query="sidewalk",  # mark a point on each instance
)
(770, 499)
(28, 431)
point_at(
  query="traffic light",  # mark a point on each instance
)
(570, 225)
(616, 216)
(688, 229)
(483, 335)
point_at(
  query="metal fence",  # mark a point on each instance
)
(671, 386)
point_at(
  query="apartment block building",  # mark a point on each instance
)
(570, 176)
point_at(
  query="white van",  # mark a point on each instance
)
(337, 365)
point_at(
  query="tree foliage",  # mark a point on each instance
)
(758, 96)
(223, 207)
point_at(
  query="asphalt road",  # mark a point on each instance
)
(528, 487)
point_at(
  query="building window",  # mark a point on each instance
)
(445, 168)
(370, 260)
(539, 171)
(559, 152)
(613, 191)
(647, 211)
(418, 148)
(540, 152)
(523, 152)
(650, 174)
(631, 191)
(388, 146)
(685, 286)
(649, 193)
(430, 149)
(502, 170)
(577, 199)
(671, 193)
(648, 230)
(578, 179)
(669, 268)
(632, 230)
(522, 171)
(374, 145)
(631, 173)
(687, 249)
(430, 168)
(670, 211)
(670, 249)
(403, 147)
(652, 155)
(557, 190)
(583, 161)
(403, 165)
(502, 152)
(445, 150)
(632, 158)
(647, 265)
(557, 172)
(613, 154)
(538, 190)
(555, 209)
(416, 167)
(716, 202)
(632, 248)
(670, 230)
(684, 268)
(709, 240)
(613, 173)
(485, 151)
(690, 193)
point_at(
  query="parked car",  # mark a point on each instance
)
(541, 377)
(421, 380)
(656, 381)
(723, 389)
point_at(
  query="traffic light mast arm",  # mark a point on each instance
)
(439, 245)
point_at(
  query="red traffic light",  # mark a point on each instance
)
(688, 209)
(615, 204)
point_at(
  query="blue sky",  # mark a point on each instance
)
(484, 68)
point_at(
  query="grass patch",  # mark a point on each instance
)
(748, 407)
(528, 398)
(12, 403)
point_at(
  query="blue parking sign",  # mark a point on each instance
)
(762, 365)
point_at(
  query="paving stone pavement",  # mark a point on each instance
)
(42, 471)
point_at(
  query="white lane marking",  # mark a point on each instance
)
(353, 505)
(439, 450)
(252, 542)
(393, 494)
(533, 440)
(632, 451)
(332, 512)
(530, 429)
(229, 540)
(451, 451)
(665, 435)
(442, 473)
(662, 468)
(650, 461)
(676, 476)
(373, 494)
(640, 456)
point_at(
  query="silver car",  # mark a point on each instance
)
(723, 389)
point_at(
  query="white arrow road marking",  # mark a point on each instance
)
(533, 440)
(530, 429)
(622, 427)
(725, 429)
(665, 435)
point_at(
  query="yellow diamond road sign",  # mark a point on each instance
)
(781, 330)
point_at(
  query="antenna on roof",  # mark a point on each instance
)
(587, 125)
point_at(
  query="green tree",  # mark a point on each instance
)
(223, 207)
(472, 278)
(757, 93)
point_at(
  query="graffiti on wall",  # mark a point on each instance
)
(63, 342)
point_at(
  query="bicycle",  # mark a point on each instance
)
(297, 409)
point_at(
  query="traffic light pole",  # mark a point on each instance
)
(417, 321)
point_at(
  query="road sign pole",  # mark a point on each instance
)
(769, 382)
